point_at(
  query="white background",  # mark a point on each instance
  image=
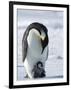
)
(4, 44)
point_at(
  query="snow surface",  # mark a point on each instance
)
(53, 20)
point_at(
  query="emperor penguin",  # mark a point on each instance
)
(35, 50)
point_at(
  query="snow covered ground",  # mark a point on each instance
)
(53, 20)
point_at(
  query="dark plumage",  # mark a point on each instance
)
(38, 70)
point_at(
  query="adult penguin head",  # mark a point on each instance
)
(41, 31)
